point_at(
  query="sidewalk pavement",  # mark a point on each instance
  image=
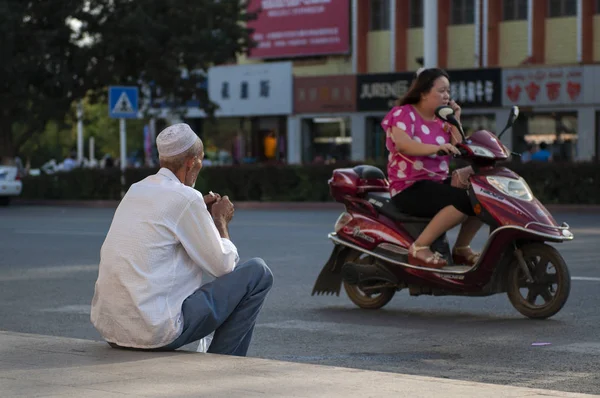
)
(264, 205)
(46, 366)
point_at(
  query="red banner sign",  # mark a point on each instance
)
(294, 28)
(543, 86)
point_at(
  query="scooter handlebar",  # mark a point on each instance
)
(463, 152)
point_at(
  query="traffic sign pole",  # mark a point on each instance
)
(123, 140)
(123, 103)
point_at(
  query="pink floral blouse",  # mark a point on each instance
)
(404, 170)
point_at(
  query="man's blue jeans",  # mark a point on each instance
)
(228, 306)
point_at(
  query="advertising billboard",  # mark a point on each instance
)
(296, 28)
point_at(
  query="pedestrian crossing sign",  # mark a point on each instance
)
(123, 102)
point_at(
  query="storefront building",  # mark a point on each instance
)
(590, 138)
(558, 110)
(375, 96)
(251, 122)
(323, 111)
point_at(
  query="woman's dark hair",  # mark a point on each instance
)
(422, 84)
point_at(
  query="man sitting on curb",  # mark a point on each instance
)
(164, 236)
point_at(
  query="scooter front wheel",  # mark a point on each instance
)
(548, 292)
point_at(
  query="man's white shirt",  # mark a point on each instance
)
(161, 241)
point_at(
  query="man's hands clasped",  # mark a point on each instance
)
(222, 209)
(219, 207)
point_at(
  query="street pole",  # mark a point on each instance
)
(92, 151)
(80, 132)
(123, 137)
(430, 34)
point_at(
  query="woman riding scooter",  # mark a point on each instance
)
(419, 145)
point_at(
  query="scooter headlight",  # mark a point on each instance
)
(517, 188)
(481, 151)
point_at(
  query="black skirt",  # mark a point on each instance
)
(426, 198)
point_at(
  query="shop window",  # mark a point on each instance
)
(416, 14)
(227, 141)
(379, 15)
(243, 141)
(376, 150)
(562, 8)
(463, 12)
(514, 10)
(326, 140)
(597, 138)
(554, 132)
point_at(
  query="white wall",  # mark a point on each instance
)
(358, 131)
(586, 133)
(294, 142)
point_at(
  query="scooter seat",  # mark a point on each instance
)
(382, 202)
(367, 172)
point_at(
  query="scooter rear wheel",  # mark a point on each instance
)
(371, 299)
(367, 297)
(549, 291)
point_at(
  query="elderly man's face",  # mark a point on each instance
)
(195, 166)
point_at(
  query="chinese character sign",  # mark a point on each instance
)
(545, 86)
(291, 28)
(476, 87)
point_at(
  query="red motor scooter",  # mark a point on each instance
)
(372, 237)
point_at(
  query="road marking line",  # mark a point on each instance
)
(585, 278)
(337, 328)
(58, 232)
(82, 309)
(50, 272)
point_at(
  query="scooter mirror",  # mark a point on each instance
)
(514, 114)
(443, 112)
(446, 114)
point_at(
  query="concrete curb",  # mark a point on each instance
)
(37, 365)
(252, 205)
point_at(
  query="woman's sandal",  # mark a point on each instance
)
(464, 255)
(435, 260)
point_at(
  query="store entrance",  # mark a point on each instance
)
(375, 140)
(326, 140)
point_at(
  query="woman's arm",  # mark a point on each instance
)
(406, 145)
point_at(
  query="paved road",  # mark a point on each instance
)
(48, 265)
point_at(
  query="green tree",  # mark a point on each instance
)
(56, 52)
(58, 140)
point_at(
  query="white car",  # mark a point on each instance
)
(10, 184)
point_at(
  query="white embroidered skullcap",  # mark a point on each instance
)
(419, 71)
(175, 140)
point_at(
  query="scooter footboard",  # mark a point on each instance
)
(330, 278)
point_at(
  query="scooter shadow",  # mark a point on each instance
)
(428, 318)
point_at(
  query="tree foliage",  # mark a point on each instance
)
(56, 52)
